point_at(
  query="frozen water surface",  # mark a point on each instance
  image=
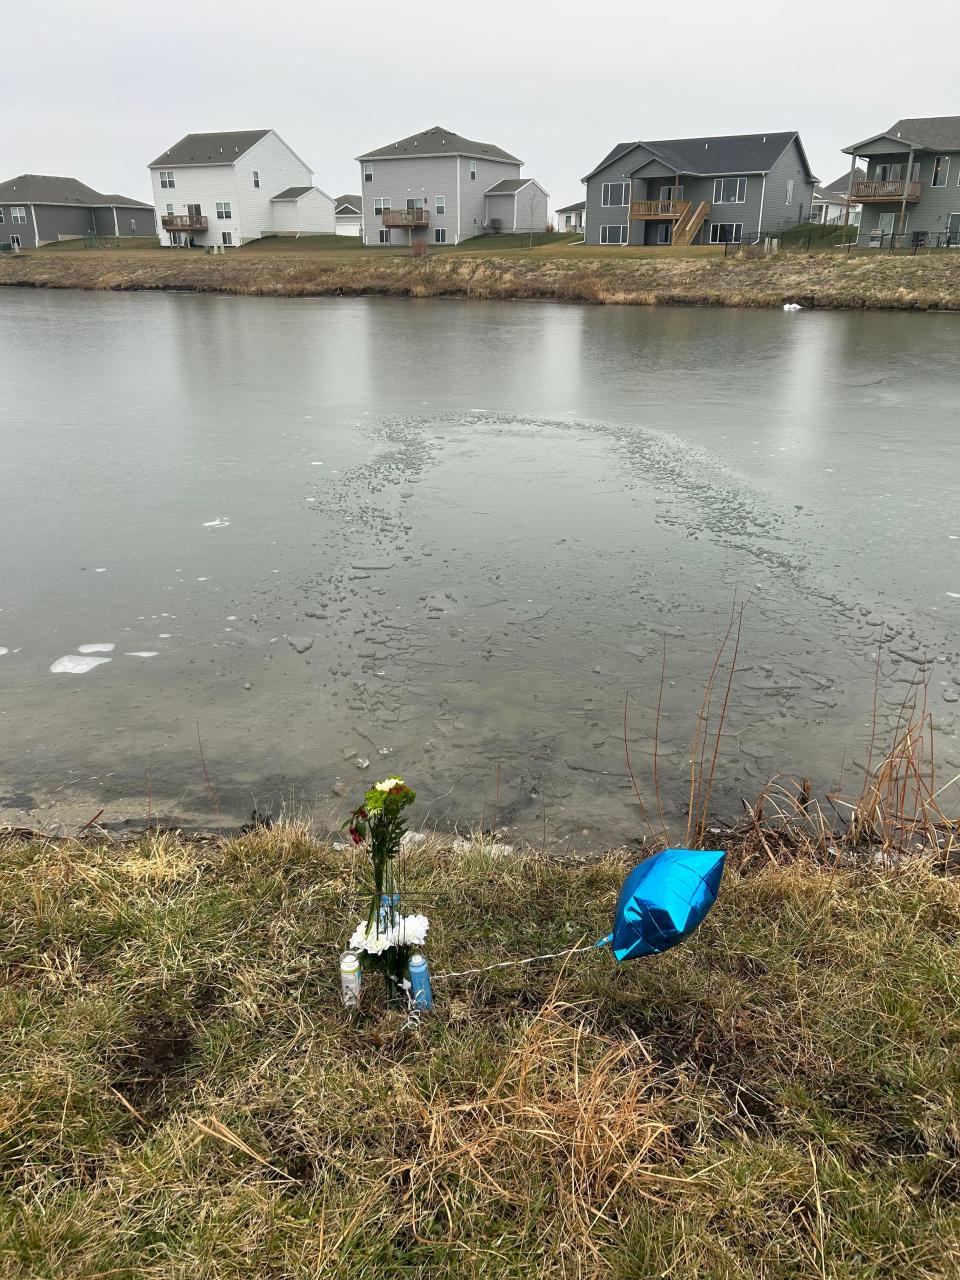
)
(474, 590)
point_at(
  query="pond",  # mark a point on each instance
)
(328, 540)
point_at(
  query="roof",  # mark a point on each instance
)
(209, 148)
(292, 193)
(507, 186)
(578, 207)
(839, 187)
(43, 188)
(349, 204)
(439, 142)
(931, 133)
(725, 153)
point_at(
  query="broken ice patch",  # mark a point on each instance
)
(75, 664)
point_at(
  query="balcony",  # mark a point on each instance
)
(644, 210)
(867, 192)
(406, 217)
(183, 222)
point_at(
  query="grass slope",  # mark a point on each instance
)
(558, 272)
(183, 1094)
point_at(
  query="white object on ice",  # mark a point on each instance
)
(73, 664)
(792, 306)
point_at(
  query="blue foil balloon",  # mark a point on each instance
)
(663, 900)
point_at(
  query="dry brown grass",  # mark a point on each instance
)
(564, 273)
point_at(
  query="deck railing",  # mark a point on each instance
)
(874, 190)
(183, 222)
(641, 209)
(406, 217)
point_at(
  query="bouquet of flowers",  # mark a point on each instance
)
(385, 939)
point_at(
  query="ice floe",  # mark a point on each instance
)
(95, 648)
(220, 523)
(75, 664)
(140, 653)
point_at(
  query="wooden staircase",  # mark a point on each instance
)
(687, 226)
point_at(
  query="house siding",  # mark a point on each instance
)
(22, 229)
(278, 168)
(400, 178)
(501, 207)
(532, 209)
(61, 220)
(777, 214)
(472, 198)
(312, 214)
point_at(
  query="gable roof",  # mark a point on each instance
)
(931, 133)
(349, 204)
(725, 153)
(44, 188)
(578, 207)
(439, 142)
(209, 148)
(507, 186)
(292, 193)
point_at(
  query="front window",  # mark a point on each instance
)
(726, 232)
(440, 235)
(441, 204)
(615, 234)
(226, 237)
(18, 213)
(223, 210)
(941, 167)
(166, 179)
(368, 173)
(671, 193)
(473, 170)
(729, 190)
(381, 204)
(614, 195)
(256, 177)
(384, 235)
(789, 199)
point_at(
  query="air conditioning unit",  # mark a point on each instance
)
(496, 224)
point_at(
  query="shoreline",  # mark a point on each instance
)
(820, 281)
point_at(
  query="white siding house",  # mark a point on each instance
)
(218, 188)
(433, 187)
(303, 211)
(349, 215)
(570, 217)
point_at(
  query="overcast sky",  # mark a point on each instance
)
(97, 90)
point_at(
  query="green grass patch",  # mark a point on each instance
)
(183, 1093)
(815, 235)
(301, 244)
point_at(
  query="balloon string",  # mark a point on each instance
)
(509, 964)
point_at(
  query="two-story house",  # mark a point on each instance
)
(439, 188)
(685, 191)
(225, 188)
(912, 183)
(39, 208)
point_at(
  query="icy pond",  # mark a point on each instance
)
(348, 538)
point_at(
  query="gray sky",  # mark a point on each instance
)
(96, 90)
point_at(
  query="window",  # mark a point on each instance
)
(223, 209)
(663, 233)
(226, 237)
(15, 242)
(170, 209)
(789, 199)
(440, 235)
(726, 232)
(381, 204)
(671, 193)
(473, 170)
(368, 173)
(414, 202)
(166, 179)
(613, 235)
(729, 190)
(441, 204)
(614, 195)
(1, 215)
(256, 177)
(568, 219)
(18, 213)
(384, 235)
(941, 167)
(193, 211)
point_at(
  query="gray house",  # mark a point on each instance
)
(437, 187)
(912, 183)
(685, 191)
(37, 208)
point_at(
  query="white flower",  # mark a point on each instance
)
(373, 940)
(388, 784)
(412, 931)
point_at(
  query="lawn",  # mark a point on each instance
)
(184, 1094)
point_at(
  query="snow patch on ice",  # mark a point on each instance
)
(75, 664)
(141, 653)
(95, 648)
(220, 523)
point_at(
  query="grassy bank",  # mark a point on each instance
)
(184, 1095)
(560, 271)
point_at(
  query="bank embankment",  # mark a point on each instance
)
(187, 1096)
(823, 280)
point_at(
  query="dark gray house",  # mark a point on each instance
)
(912, 183)
(686, 191)
(37, 208)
